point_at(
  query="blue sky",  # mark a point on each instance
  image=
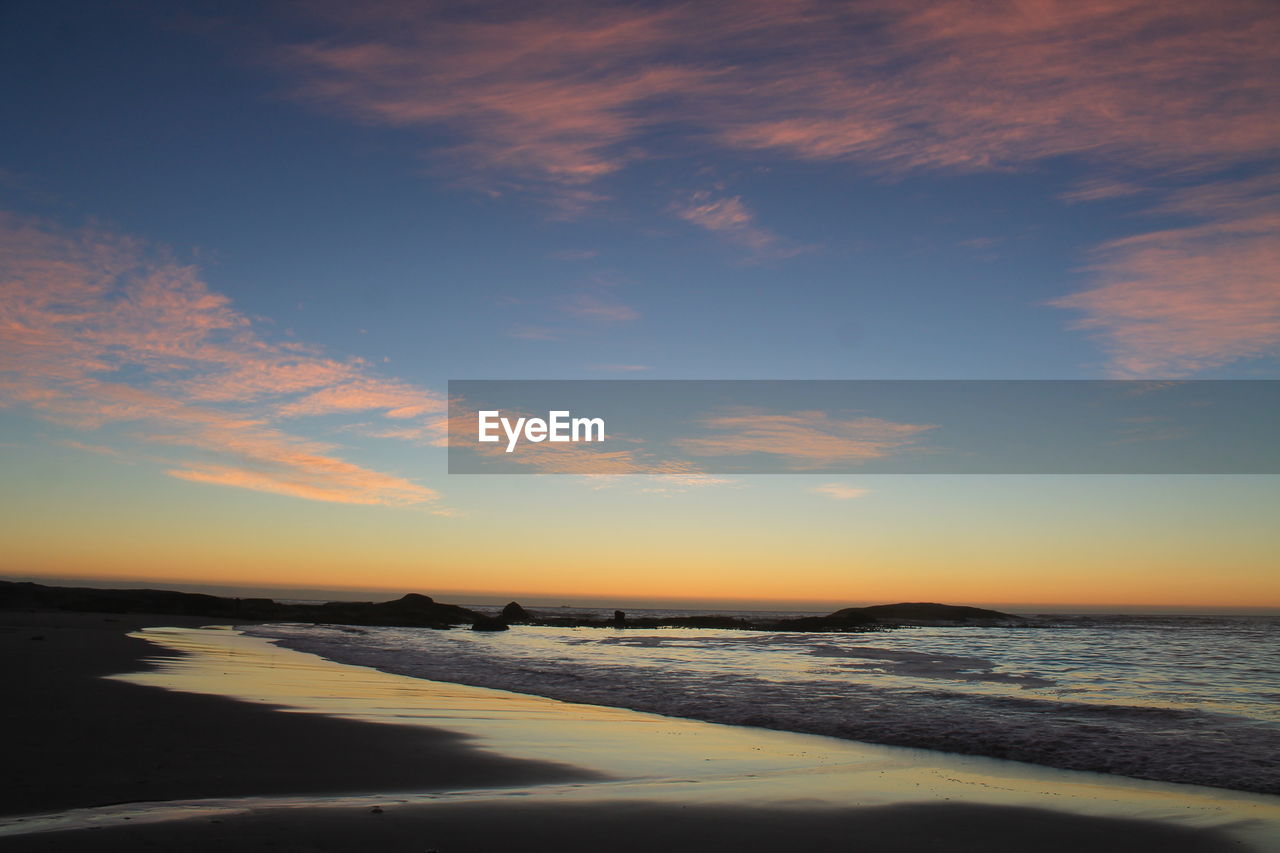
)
(394, 196)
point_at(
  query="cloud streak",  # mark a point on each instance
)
(567, 94)
(730, 217)
(557, 97)
(98, 329)
(589, 312)
(599, 310)
(839, 491)
(1185, 299)
(809, 439)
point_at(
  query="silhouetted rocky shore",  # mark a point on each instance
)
(421, 611)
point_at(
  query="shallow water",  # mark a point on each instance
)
(649, 757)
(1182, 699)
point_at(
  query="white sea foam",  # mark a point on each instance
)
(1179, 699)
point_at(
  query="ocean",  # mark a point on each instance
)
(1192, 699)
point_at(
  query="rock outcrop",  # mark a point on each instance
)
(881, 616)
(412, 610)
(514, 614)
(421, 611)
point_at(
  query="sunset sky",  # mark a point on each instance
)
(244, 246)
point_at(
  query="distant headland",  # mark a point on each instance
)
(421, 611)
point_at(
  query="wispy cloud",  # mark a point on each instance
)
(98, 329)
(317, 478)
(573, 255)
(598, 309)
(981, 242)
(809, 439)
(601, 463)
(533, 94)
(396, 400)
(715, 214)
(1099, 189)
(1179, 300)
(583, 312)
(840, 491)
(432, 431)
(584, 459)
(528, 332)
(536, 94)
(730, 217)
(100, 449)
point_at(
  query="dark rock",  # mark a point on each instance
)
(488, 623)
(930, 612)
(887, 615)
(513, 613)
(850, 619)
(412, 610)
(421, 611)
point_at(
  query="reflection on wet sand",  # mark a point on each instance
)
(644, 757)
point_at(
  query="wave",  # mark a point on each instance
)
(839, 686)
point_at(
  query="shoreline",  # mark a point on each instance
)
(79, 739)
(1126, 739)
(528, 803)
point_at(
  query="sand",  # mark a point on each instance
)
(327, 782)
(75, 739)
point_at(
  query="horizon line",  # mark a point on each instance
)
(643, 602)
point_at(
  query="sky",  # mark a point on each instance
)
(245, 246)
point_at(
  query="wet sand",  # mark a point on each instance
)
(647, 828)
(75, 739)
(479, 770)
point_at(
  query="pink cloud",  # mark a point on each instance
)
(1179, 300)
(398, 400)
(537, 95)
(101, 450)
(840, 491)
(592, 312)
(534, 97)
(432, 432)
(97, 329)
(266, 377)
(1098, 189)
(581, 460)
(314, 477)
(599, 461)
(597, 309)
(574, 255)
(730, 217)
(809, 439)
(724, 214)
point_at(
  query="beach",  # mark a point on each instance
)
(260, 748)
(640, 425)
(77, 739)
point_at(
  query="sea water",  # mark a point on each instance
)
(1176, 698)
